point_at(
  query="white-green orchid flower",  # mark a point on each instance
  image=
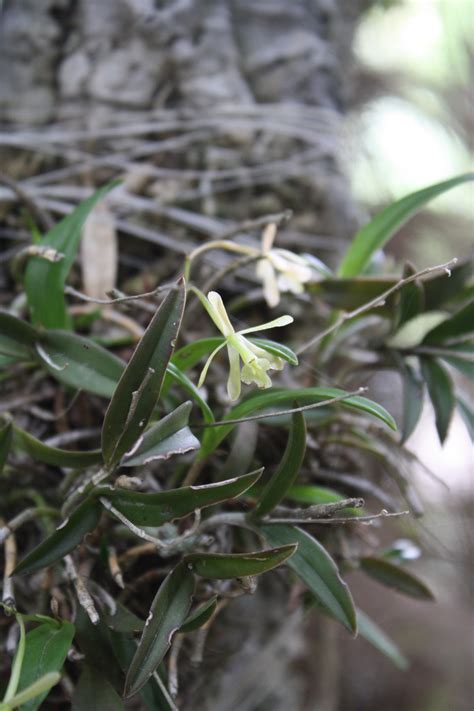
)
(256, 360)
(282, 270)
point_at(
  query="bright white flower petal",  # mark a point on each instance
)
(268, 237)
(266, 273)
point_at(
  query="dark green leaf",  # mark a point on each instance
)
(6, 433)
(412, 297)
(288, 469)
(96, 643)
(200, 616)
(46, 649)
(349, 294)
(385, 224)
(278, 397)
(309, 494)
(468, 416)
(182, 379)
(223, 566)
(315, 567)
(17, 337)
(171, 435)
(456, 326)
(395, 577)
(94, 691)
(440, 389)
(69, 535)
(44, 280)
(52, 455)
(168, 611)
(440, 289)
(412, 399)
(79, 362)
(139, 387)
(378, 639)
(123, 620)
(155, 509)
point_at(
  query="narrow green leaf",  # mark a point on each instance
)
(412, 297)
(46, 649)
(309, 494)
(440, 289)
(79, 362)
(456, 326)
(156, 509)
(378, 639)
(168, 611)
(171, 435)
(278, 397)
(53, 455)
(315, 567)
(122, 620)
(6, 434)
(374, 235)
(182, 379)
(467, 413)
(200, 616)
(139, 387)
(94, 691)
(395, 577)
(440, 389)
(44, 280)
(288, 469)
(17, 337)
(349, 294)
(461, 357)
(69, 535)
(412, 333)
(223, 566)
(412, 399)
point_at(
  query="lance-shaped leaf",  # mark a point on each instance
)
(378, 639)
(168, 611)
(412, 297)
(6, 433)
(315, 567)
(17, 337)
(288, 469)
(44, 280)
(156, 509)
(412, 399)
(65, 538)
(200, 616)
(456, 326)
(53, 455)
(440, 389)
(94, 691)
(395, 577)
(222, 566)
(412, 332)
(383, 226)
(46, 649)
(79, 362)
(278, 397)
(139, 387)
(171, 435)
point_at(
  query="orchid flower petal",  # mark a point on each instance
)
(233, 381)
(266, 273)
(276, 323)
(218, 313)
(202, 377)
(268, 237)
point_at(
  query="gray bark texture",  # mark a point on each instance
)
(257, 88)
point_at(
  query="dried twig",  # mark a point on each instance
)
(83, 595)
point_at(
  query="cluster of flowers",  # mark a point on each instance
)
(280, 271)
